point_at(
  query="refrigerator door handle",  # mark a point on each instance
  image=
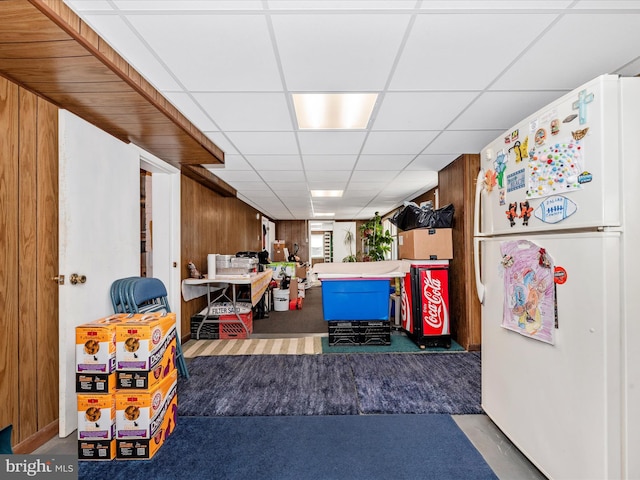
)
(476, 268)
(476, 205)
(476, 234)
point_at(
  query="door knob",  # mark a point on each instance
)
(76, 279)
(59, 279)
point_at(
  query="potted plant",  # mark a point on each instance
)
(377, 241)
(349, 239)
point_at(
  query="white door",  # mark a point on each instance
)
(99, 235)
(560, 404)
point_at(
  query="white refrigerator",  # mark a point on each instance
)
(557, 240)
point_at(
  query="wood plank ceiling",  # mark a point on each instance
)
(46, 48)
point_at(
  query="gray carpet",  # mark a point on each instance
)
(338, 384)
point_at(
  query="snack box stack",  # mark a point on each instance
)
(96, 387)
(125, 370)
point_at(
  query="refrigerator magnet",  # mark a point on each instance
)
(541, 136)
(500, 165)
(554, 209)
(559, 275)
(555, 126)
(525, 212)
(584, 99)
(512, 213)
(489, 180)
(570, 118)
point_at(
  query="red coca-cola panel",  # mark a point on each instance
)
(434, 293)
(407, 304)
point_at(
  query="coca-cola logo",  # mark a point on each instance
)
(434, 307)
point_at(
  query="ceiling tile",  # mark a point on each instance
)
(464, 43)
(225, 52)
(316, 176)
(188, 4)
(593, 55)
(352, 52)
(501, 110)
(397, 142)
(383, 162)
(247, 111)
(462, 141)
(420, 110)
(282, 175)
(431, 162)
(269, 143)
(333, 142)
(329, 162)
(275, 162)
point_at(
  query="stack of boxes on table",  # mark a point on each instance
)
(126, 385)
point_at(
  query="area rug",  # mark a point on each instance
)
(311, 448)
(307, 345)
(400, 343)
(341, 384)
(267, 385)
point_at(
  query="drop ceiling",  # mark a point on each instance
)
(450, 77)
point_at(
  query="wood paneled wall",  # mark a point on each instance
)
(211, 223)
(294, 231)
(456, 184)
(28, 262)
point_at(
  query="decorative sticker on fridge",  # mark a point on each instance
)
(554, 209)
(555, 168)
(500, 165)
(529, 300)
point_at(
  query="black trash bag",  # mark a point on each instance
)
(412, 216)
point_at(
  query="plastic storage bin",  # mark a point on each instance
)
(355, 299)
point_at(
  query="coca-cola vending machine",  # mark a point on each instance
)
(425, 303)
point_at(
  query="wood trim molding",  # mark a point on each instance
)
(38, 439)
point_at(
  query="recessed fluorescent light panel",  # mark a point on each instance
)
(324, 214)
(326, 193)
(333, 111)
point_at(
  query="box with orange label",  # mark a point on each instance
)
(96, 416)
(145, 350)
(96, 345)
(146, 418)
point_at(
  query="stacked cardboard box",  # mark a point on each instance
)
(126, 380)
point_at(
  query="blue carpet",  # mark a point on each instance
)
(306, 448)
(399, 344)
